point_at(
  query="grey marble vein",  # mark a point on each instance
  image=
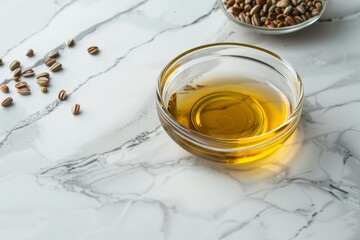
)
(41, 29)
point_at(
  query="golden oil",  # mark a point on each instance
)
(229, 108)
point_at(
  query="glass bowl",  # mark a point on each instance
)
(273, 31)
(242, 61)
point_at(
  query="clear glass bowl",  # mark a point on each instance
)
(274, 31)
(239, 60)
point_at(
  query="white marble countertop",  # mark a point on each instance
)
(113, 173)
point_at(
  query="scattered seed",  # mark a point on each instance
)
(54, 54)
(14, 65)
(17, 72)
(28, 73)
(30, 53)
(4, 88)
(24, 91)
(1, 62)
(43, 74)
(75, 109)
(93, 50)
(56, 67)
(16, 79)
(21, 85)
(7, 102)
(43, 81)
(50, 61)
(62, 95)
(70, 42)
(44, 89)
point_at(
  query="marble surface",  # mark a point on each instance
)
(113, 173)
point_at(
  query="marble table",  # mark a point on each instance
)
(113, 173)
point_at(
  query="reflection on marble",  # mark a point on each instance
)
(113, 173)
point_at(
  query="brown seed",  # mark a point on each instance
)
(255, 20)
(318, 5)
(300, 9)
(270, 25)
(272, 15)
(75, 109)
(304, 17)
(242, 17)
(93, 50)
(280, 24)
(248, 1)
(43, 74)
(315, 12)
(43, 81)
(7, 102)
(247, 8)
(298, 19)
(235, 10)
(277, 10)
(62, 95)
(24, 91)
(282, 3)
(4, 88)
(16, 79)
(17, 72)
(248, 19)
(1, 62)
(260, 2)
(70, 42)
(21, 85)
(14, 65)
(28, 73)
(290, 20)
(266, 8)
(272, 8)
(288, 10)
(308, 15)
(50, 61)
(43, 89)
(263, 19)
(54, 54)
(280, 17)
(255, 10)
(231, 2)
(30, 53)
(56, 67)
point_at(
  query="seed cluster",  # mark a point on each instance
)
(273, 13)
(42, 79)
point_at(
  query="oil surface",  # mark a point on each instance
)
(229, 108)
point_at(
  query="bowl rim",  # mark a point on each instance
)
(161, 106)
(274, 31)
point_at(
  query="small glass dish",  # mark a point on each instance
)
(274, 31)
(242, 61)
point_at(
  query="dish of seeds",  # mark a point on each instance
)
(274, 16)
